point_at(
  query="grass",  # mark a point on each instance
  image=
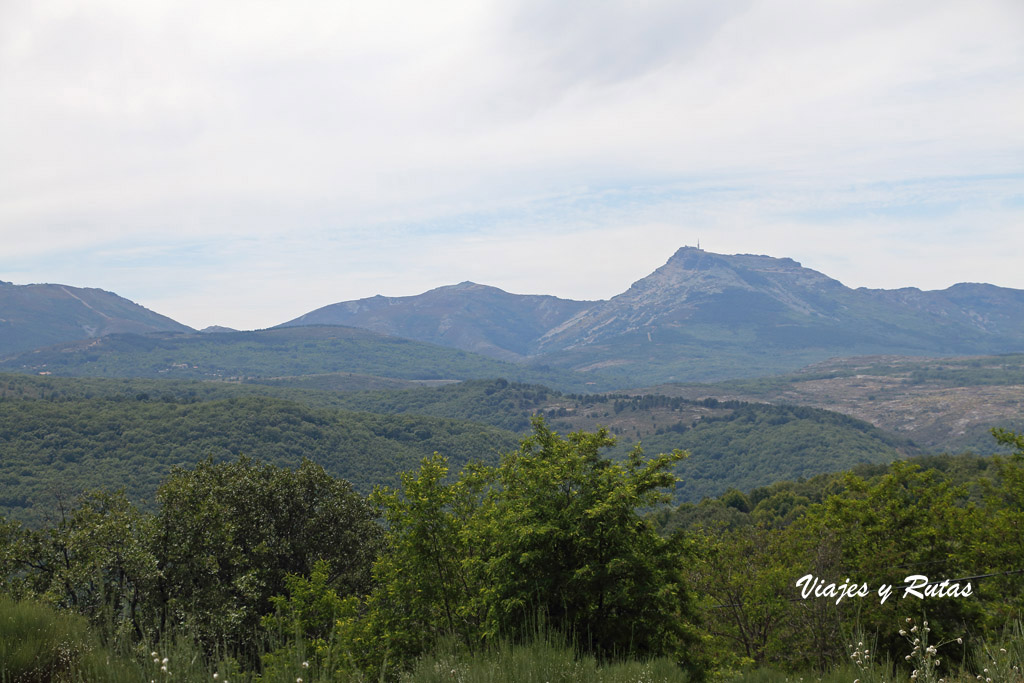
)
(39, 644)
(546, 658)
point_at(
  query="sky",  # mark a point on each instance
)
(242, 163)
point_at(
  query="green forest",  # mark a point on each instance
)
(278, 354)
(551, 561)
(60, 436)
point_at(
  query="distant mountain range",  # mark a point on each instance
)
(701, 316)
(466, 316)
(284, 392)
(33, 316)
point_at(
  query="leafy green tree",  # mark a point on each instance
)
(303, 622)
(227, 535)
(564, 537)
(425, 588)
(14, 561)
(908, 522)
(998, 538)
(96, 561)
(745, 577)
(1012, 439)
(553, 537)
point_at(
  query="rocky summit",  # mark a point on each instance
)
(701, 315)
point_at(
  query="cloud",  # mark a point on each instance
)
(339, 150)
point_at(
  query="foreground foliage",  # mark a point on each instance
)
(553, 532)
(38, 643)
(255, 572)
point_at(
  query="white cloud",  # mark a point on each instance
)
(336, 150)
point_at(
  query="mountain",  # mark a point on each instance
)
(696, 289)
(699, 317)
(465, 316)
(702, 316)
(33, 316)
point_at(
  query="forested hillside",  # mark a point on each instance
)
(64, 435)
(732, 444)
(51, 449)
(276, 353)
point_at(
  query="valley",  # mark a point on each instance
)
(759, 368)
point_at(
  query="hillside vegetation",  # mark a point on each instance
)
(64, 435)
(52, 450)
(732, 444)
(269, 354)
(942, 404)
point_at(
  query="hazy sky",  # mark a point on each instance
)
(242, 163)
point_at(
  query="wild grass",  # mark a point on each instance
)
(546, 658)
(40, 644)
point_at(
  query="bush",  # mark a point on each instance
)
(40, 644)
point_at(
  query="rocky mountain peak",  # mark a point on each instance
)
(693, 272)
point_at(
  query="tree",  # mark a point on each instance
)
(228, 534)
(554, 533)
(997, 542)
(563, 537)
(96, 560)
(744, 577)
(907, 522)
(425, 585)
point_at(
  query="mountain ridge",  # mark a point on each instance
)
(38, 315)
(701, 316)
(704, 315)
(450, 315)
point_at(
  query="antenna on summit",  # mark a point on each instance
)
(698, 244)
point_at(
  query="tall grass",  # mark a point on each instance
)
(547, 657)
(1002, 660)
(39, 644)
